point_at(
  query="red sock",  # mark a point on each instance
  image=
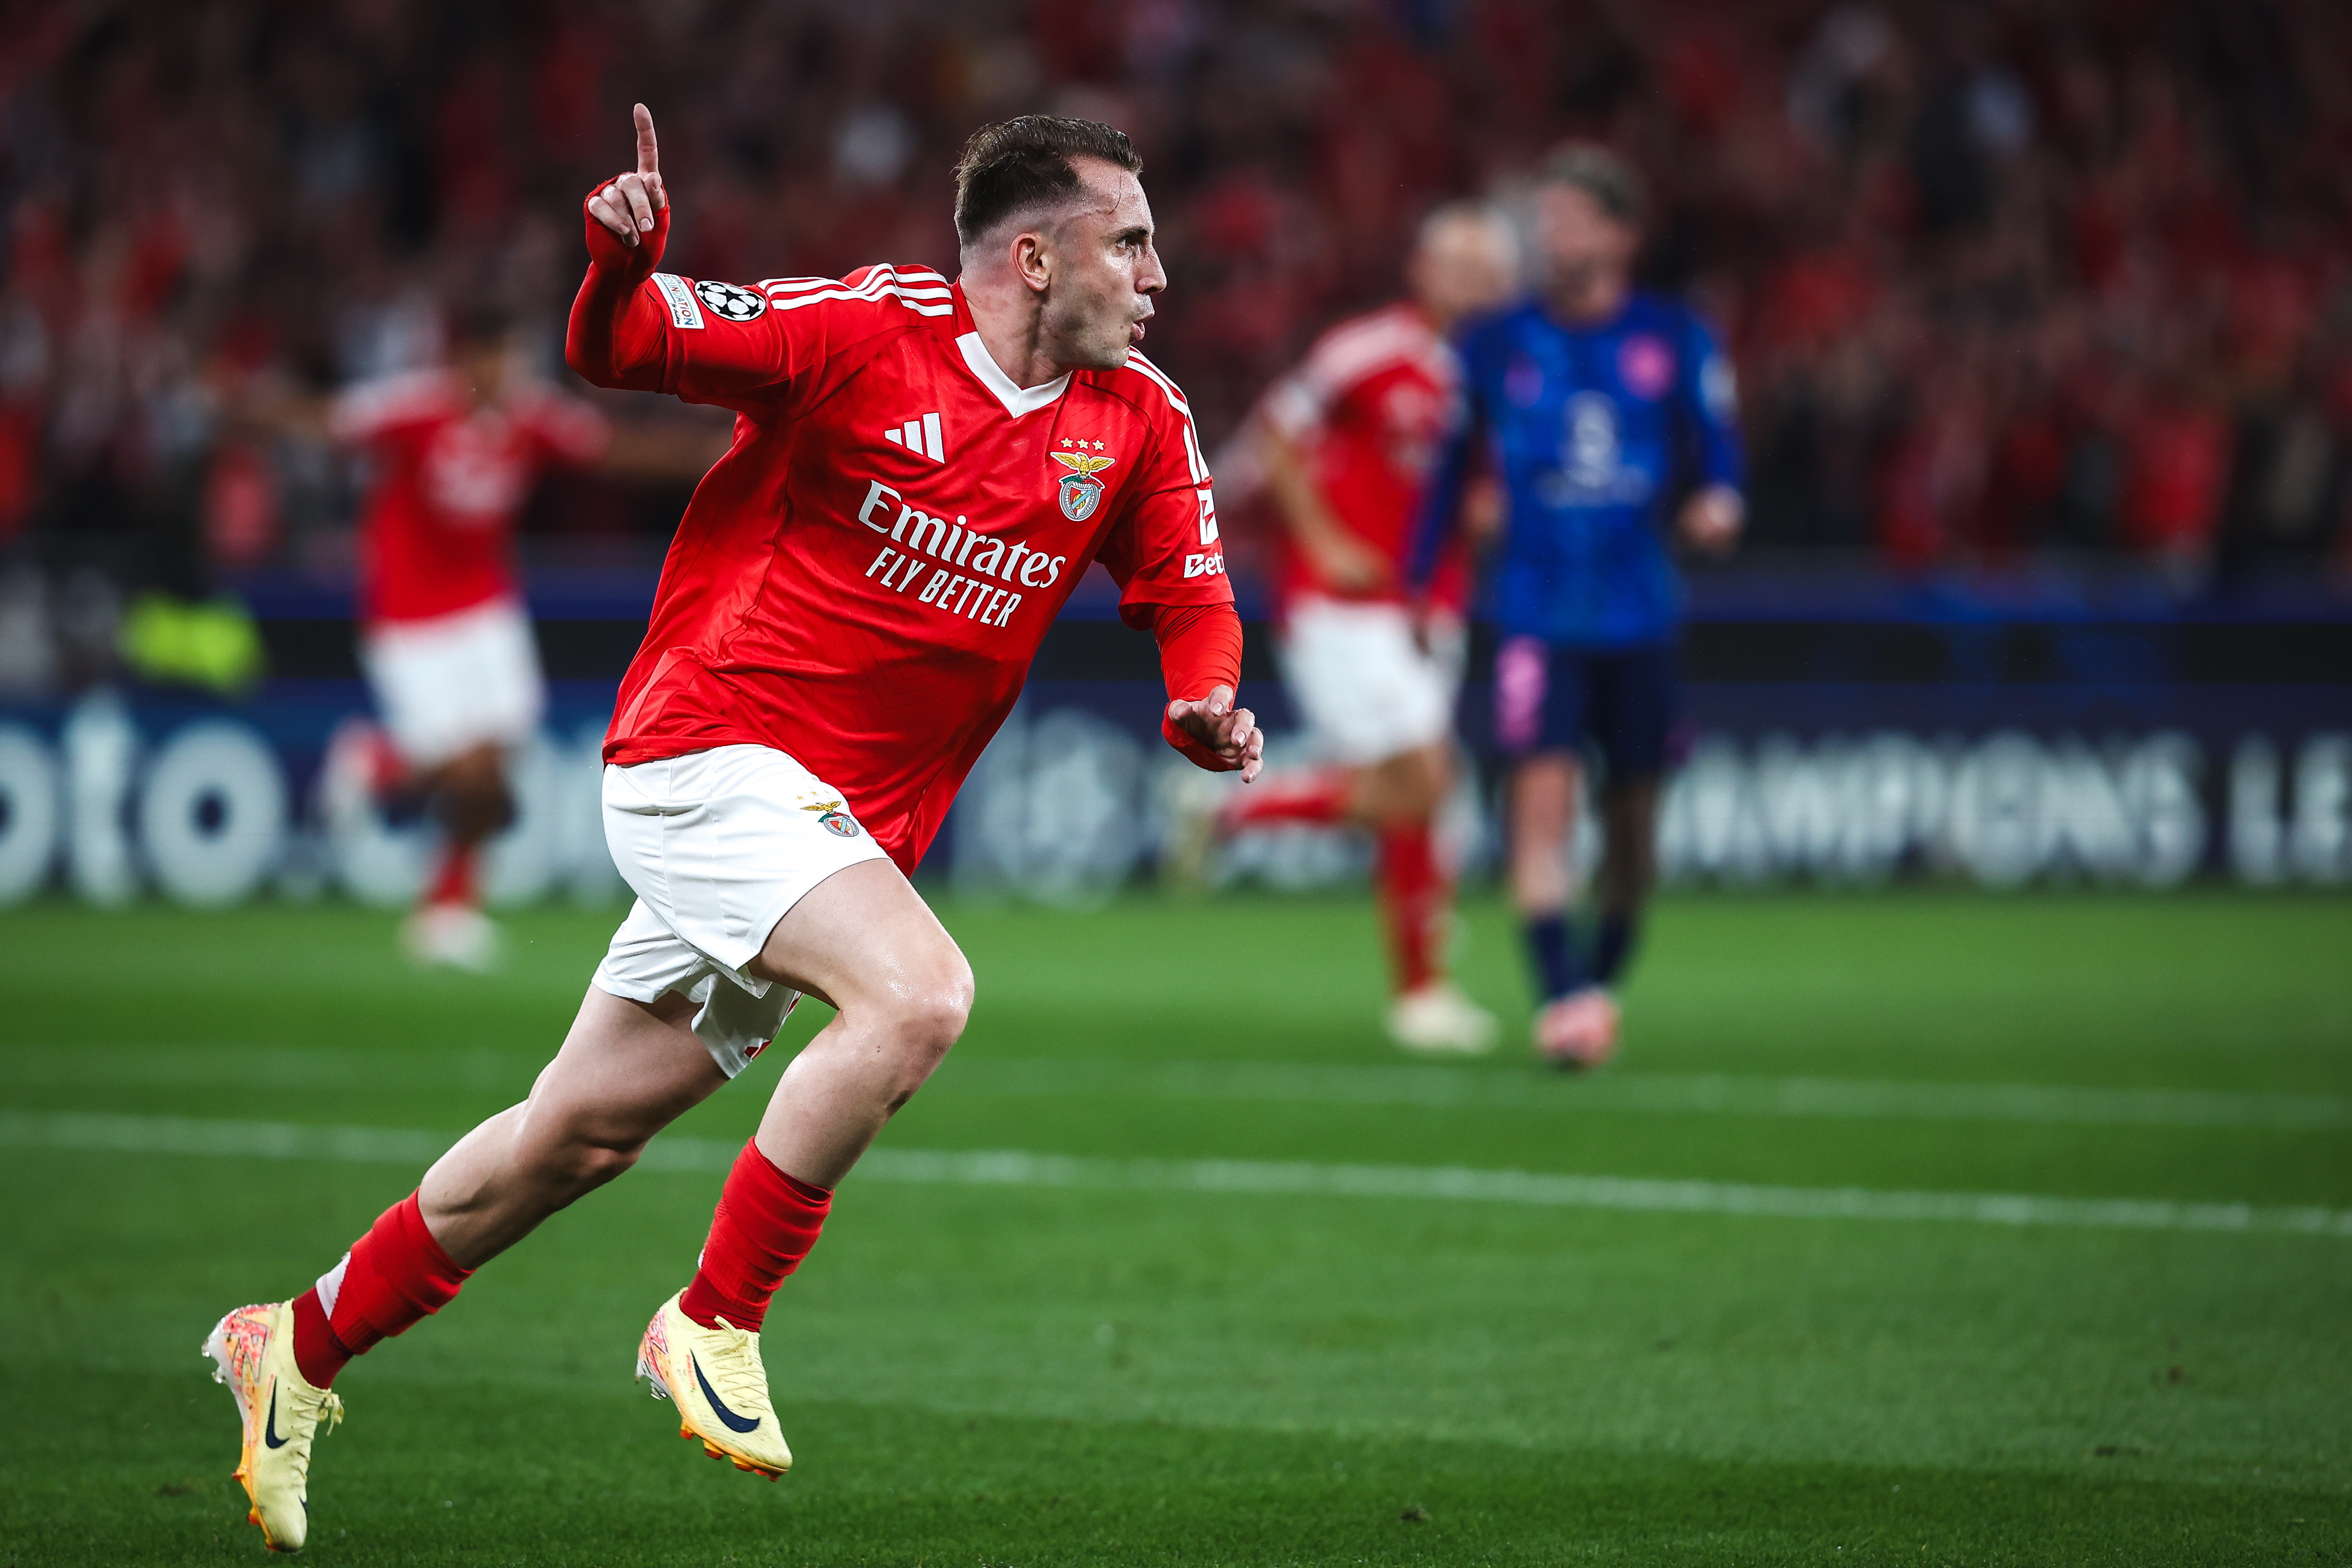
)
(453, 882)
(317, 1352)
(1413, 897)
(392, 1277)
(766, 1223)
(1320, 795)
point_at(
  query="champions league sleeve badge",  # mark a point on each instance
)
(731, 301)
(1080, 492)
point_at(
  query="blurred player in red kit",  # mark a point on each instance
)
(444, 639)
(1347, 439)
(921, 473)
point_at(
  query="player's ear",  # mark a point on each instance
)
(1032, 259)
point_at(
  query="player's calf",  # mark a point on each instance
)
(563, 1155)
(627, 1069)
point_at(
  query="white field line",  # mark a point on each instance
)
(1437, 1087)
(1673, 1093)
(1013, 1168)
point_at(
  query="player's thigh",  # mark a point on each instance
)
(626, 1070)
(1541, 697)
(862, 938)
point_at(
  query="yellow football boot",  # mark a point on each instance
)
(715, 1378)
(253, 1347)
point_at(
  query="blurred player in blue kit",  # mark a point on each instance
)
(1608, 415)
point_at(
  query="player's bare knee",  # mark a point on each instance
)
(936, 1019)
(1421, 793)
(926, 1019)
(476, 809)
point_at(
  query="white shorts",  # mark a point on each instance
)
(1365, 691)
(718, 845)
(449, 684)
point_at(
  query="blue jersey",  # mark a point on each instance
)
(1597, 434)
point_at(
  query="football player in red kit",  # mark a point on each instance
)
(920, 472)
(444, 639)
(1347, 439)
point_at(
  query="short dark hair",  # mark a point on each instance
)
(1024, 163)
(475, 323)
(1601, 174)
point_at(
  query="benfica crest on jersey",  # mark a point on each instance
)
(1081, 492)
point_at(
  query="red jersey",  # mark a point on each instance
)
(862, 580)
(437, 535)
(1369, 407)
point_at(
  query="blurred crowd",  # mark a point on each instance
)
(2004, 280)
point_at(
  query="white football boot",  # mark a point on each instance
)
(715, 1378)
(253, 1352)
(451, 936)
(1437, 1019)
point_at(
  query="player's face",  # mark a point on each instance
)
(480, 367)
(1581, 244)
(1105, 272)
(1465, 265)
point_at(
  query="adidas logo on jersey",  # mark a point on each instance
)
(920, 435)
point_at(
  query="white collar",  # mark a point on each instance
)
(1018, 400)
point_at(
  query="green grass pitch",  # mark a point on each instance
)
(1129, 1369)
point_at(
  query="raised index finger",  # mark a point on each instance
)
(648, 149)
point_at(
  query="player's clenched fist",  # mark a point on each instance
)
(627, 205)
(1230, 733)
(1710, 519)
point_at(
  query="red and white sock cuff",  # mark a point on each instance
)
(395, 1275)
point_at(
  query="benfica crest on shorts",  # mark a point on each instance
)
(1081, 492)
(832, 819)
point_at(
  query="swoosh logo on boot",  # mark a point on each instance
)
(734, 1423)
(269, 1429)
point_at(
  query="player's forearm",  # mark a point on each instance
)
(1295, 500)
(614, 337)
(1439, 506)
(1717, 451)
(1200, 650)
